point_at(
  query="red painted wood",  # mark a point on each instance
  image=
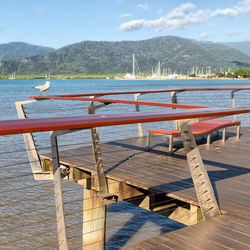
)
(151, 91)
(170, 105)
(199, 128)
(164, 132)
(211, 125)
(84, 122)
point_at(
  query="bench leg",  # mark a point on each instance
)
(217, 133)
(148, 142)
(224, 135)
(170, 144)
(208, 139)
(238, 132)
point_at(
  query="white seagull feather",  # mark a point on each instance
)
(43, 87)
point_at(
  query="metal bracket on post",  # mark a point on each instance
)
(173, 97)
(101, 178)
(92, 107)
(61, 225)
(102, 182)
(233, 102)
(175, 101)
(137, 109)
(29, 140)
(204, 190)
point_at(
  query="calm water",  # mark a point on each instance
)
(29, 204)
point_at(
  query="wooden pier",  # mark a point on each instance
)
(161, 182)
(205, 187)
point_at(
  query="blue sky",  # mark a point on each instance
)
(57, 23)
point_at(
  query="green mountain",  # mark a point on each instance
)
(174, 53)
(18, 50)
(241, 46)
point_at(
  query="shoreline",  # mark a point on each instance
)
(116, 77)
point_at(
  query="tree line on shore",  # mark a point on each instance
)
(239, 73)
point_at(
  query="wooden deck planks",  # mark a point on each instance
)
(228, 167)
(128, 161)
(206, 235)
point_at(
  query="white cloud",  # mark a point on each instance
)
(183, 16)
(132, 25)
(183, 9)
(41, 11)
(225, 12)
(240, 8)
(143, 6)
(125, 15)
(247, 39)
(1, 29)
(159, 11)
(233, 33)
(206, 35)
(180, 17)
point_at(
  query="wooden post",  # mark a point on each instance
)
(233, 102)
(224, 134)
(238, 132)
(137, 109)
(202, 184)
(94, 220)
(174, 101)
(61, 226)
(193, 215)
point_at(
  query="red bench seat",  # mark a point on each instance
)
(198, 129)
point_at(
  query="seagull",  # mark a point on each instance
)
(43, 87)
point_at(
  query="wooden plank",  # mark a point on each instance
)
(195, 239)
(211, 234)
(165, 243)
(233, 226)
(241, 238)
(149, 244)
(237, 219)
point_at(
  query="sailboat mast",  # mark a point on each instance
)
(133, 64)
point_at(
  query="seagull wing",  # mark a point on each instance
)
(44, 86)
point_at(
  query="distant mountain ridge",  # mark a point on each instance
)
(176, 54)
(241, 46)
(18, 50)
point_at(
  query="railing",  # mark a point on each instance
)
(95, 97)
(76, 225)
(28, 205)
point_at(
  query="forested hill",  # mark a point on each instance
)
(178, 54)
(18, 50)
(241, 46)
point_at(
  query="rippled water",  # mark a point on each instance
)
(27, 213)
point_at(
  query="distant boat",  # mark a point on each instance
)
(47, 76)
(13, 76)
(135, 69)
(157, 74)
